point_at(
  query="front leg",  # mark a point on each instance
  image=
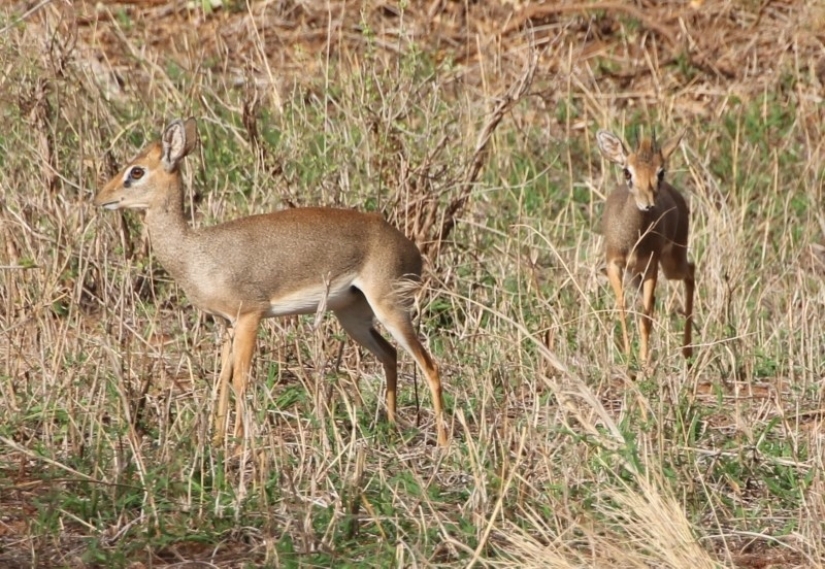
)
(648, 299)
(219, 425)
(243, 348)
(615, 272)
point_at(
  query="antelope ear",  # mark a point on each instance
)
(612, 147)
(670, 144)
(178, 140)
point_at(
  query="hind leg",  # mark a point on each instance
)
(690, 285)
(678, 267)
(394, 315)
(357, 319)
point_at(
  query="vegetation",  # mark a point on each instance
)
(563, 453)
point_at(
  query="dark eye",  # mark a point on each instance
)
(627, 175)
(136, 173)
(660, 175)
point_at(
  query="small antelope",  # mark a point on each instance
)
(288, 262)
(645, 224)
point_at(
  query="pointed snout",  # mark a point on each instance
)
(645, 203)
(107, 197)
(645, 197)
(120, 194)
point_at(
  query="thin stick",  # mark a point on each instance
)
(514, 94)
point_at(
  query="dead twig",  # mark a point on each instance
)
(514, 94)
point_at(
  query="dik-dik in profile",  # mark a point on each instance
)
(645, 225)
(288, 262)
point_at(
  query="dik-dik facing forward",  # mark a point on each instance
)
(287, 262)
(645, 225)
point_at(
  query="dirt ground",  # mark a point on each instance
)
(718, 45)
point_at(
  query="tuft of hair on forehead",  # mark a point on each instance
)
(648, 149)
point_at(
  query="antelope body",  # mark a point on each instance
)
(645, 225)
(287, 262)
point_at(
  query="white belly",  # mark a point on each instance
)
(309, 300)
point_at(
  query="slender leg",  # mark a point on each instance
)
(396, 319)
(649, 298)
(677, 267)
(219, 427)
(690, 284)
(357, 320)
(243, 347)
(389, 358)
(615, 272)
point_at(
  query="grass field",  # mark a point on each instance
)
(471, 128)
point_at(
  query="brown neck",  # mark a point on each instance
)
(168, 227)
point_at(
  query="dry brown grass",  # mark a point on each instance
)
(563, 455)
